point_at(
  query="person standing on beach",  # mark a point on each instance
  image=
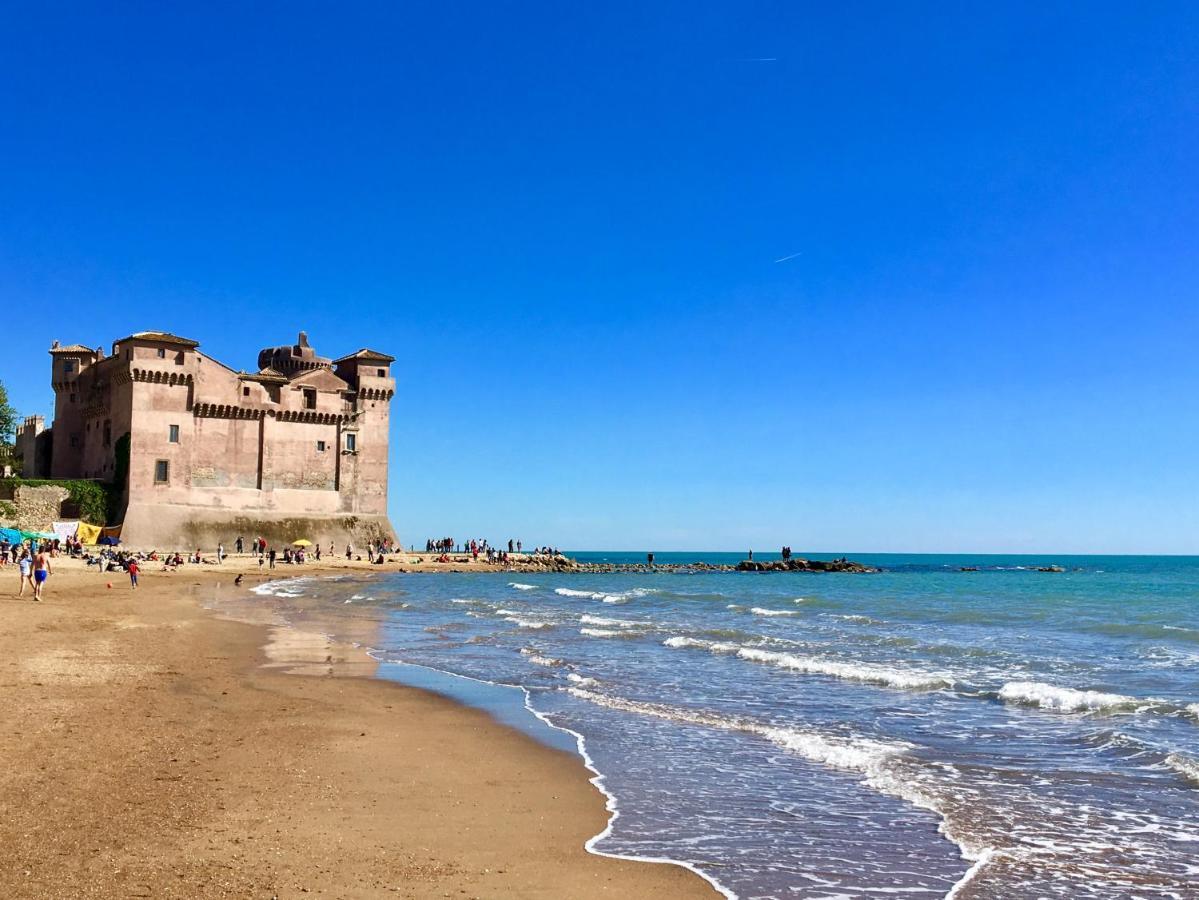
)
(133, 572)
(41, 571)
(25, 565)
(271, 554)
(349, 550)
(220, 553)
(239, 545)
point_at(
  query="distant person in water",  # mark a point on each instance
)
(649, 558)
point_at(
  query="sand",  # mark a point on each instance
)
(149, 748)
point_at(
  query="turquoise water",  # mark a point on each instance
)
(1000, 733)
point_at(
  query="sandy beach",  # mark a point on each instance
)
(153, 749)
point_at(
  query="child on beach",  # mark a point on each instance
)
(25, 565)
(133, 572)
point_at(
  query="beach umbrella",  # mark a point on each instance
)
(301, 543)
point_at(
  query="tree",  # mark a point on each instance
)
(8, 417)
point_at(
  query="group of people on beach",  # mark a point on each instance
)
(481, 547)
(32, 562)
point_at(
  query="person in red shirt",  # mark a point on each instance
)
(133, 570)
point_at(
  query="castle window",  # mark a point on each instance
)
(72, 398)
(352, 442)
(382, 373)
(245, 392)
(173, 434)
(162, 353)
(68, 366)
(320, 446)
(162, 471)
(309, 398)
(108, 432)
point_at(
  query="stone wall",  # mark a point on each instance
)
(36, 507)
(172, 527)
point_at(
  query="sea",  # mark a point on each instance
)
(952, 726)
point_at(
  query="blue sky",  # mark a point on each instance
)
(565, 220)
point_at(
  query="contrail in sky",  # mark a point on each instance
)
(792, 256)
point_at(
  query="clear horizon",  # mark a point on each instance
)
(733, 274)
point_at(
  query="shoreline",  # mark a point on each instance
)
(579, 748)
(154, 748)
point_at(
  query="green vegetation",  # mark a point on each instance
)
(8, 418)
(96, 500)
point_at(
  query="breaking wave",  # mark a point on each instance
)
(1186, 766)
(605, 633)
(600, 620)
(528, 623)
(522, 587)
(1059, 699)
(760, 611)
(606, 596)
(536, 658)
(865, 673)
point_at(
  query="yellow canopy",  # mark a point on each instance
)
(88, 534)
(302, 543)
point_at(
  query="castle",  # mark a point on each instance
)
(297, 449)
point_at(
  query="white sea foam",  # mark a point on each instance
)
(1186, 766)
(1059, 699)
(288, 587)
(863, 672)
(522, 587)
(761, 611)
(809, 665)
(528, 623)
(537, 659)
(581, 680)
(1192, 710)
(606, 596)
(857, 753)
(600, 620)
(602, 632)
(682, 642)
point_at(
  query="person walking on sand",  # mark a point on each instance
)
(220, 553)
(41, 571)
(349, 550)
(25, 565)
(133, 572)
(271, 554)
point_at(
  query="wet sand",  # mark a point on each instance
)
(152, 749)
